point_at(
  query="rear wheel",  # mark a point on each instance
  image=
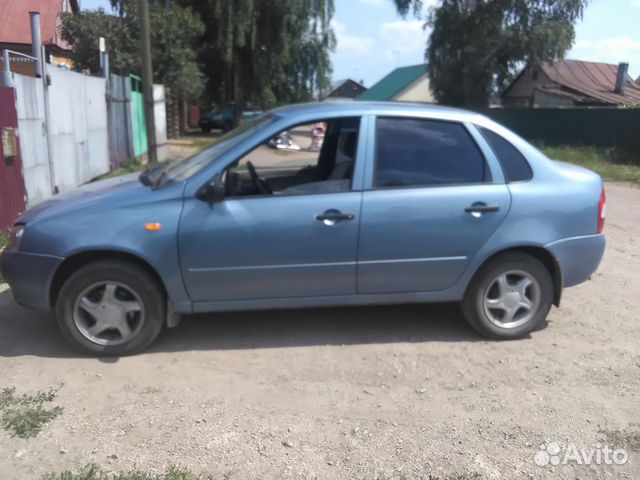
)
(509, 296)
(111, 308)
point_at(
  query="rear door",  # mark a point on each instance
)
(433, 202)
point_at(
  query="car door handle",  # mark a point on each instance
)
(332, 216)
(482, 208)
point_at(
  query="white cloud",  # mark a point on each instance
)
(609, 50)
(350, 44)
(370, 50)
(636, 3)
(401, 38)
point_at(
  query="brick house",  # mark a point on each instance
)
(15, 30)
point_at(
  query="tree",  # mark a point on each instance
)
(265, 52)
(174, 32)
(476, 46)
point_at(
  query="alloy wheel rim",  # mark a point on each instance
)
(512, 299)
(108, 313)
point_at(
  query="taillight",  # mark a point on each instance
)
(602, 211)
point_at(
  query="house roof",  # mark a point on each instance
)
(588, 81)
(14, 20)
(394, 83)
(346, 88)
(338, 83)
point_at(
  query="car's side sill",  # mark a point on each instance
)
(331, 301)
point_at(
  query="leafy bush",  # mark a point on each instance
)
(26, 415)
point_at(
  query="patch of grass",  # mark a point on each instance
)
(282, 151)
(607, 163)
(25, 415)
(93, 472)
(4, 240)
(453, 476)
(131, 165)
(623, 439)
(202, 143)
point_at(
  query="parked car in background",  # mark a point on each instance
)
(403, 203)
(223, 119)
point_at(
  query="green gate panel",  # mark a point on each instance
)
(139, 123)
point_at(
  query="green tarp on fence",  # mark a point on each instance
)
(137, 117)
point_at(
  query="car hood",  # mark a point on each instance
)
(91, 193)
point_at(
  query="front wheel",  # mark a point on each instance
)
(509, 296)
(111, 308)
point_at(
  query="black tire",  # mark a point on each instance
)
(473, 306)
(132, 278)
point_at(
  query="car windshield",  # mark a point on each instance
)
(184, 169)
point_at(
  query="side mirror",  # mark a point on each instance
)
(212, 191)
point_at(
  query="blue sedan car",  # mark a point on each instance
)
(402, 203)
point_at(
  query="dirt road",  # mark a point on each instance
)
(394, 392)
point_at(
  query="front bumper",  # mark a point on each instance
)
(578, 257)
(29, 275)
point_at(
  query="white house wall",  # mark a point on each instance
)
(418, 91)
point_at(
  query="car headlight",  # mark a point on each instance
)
(16, 237)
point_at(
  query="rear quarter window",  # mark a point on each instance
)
(515, 166)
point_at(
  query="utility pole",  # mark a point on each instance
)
(147, 80)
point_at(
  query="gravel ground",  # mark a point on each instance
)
(393, 392)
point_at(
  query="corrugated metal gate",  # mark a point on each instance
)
(12, 192)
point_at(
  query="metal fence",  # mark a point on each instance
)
(78, 134)
(76, 129)
(598, 127)
(32, 127)
(120, 137)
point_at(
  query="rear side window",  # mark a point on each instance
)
(417, 152)
(515, 166)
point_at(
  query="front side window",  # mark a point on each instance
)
(515, 166)
(414, 152)
(190, 166)
(306, 159)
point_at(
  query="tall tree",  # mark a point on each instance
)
(476, 46)
(263, 51)
(174, 32)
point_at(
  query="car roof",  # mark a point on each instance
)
(322, 109)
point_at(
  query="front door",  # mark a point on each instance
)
(287, 227)
(432, 206)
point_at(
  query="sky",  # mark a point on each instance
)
(373, 39)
